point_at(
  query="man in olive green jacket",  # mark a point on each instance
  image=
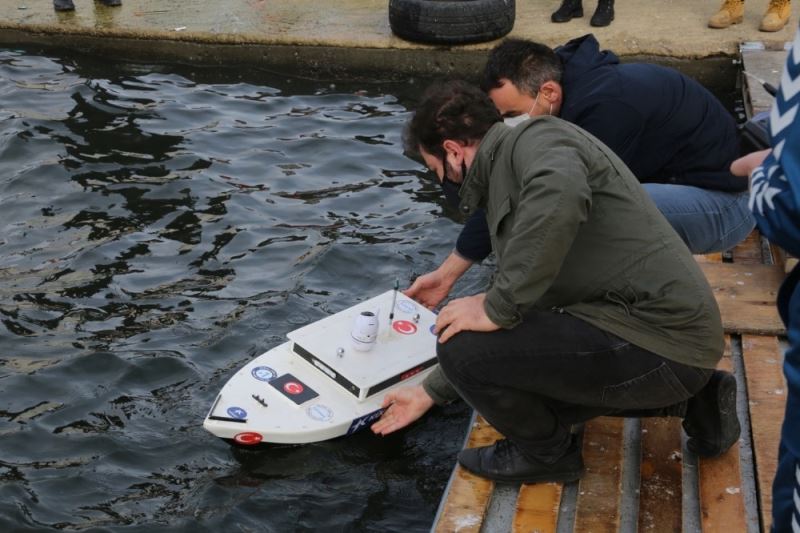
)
(596, 308)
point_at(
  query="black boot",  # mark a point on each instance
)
(604, 13)
(569, 10)
(111, 3)
(711, 422)
(63, 5)
(503, 461)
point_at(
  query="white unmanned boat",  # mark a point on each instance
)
(330, 378)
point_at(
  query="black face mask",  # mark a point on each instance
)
(451, 188)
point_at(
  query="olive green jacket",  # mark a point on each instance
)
(573, 229)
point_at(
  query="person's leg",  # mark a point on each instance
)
(533, 381)
(785, 509)
(707, 221)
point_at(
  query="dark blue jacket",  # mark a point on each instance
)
(775, 201)
(665, 126)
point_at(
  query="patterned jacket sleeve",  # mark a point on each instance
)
(775, 188)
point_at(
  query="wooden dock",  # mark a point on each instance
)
(639, 474)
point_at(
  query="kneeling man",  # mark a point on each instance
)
(596, 308)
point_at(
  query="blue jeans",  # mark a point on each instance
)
(534, 381)
(706, 220)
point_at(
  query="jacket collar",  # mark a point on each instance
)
(476, 182)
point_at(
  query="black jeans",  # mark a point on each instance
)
(533, 382)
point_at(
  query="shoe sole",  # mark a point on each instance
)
(562, 477)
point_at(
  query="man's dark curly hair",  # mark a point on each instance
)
(450, 110)
(525, 63)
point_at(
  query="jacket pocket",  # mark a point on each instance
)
(496, 215)
(655, 388)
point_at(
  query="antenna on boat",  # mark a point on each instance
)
(394, 299)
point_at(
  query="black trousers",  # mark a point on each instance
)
(533, 382)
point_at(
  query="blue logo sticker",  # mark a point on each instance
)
(406, 306)
(431, 329)
(364, 421)
(263, 373)
(237, 412)
(319, 412)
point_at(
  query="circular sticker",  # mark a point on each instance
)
(432, 328)
(406, 306)
(319, 412)
(264, 373)
(248, 438)
(237, 413)
(404, 327)
(293, 387)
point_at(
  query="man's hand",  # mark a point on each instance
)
(463, 314)
(745, 165)
(431, 288)
(403, 406)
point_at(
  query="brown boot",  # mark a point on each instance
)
(730, 12)
(777, 15)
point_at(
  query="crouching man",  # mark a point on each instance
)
(596, 308)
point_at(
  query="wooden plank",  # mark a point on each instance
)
(537, 508)
(468, 496)
(748, 252)
(766, 388)
(600, 490)
(746, 296)
(709, 258)
(720, 483)
(660, 491)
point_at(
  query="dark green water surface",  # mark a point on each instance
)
(159, 229)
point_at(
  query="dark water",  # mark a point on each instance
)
(159, 229)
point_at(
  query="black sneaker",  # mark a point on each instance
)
(63, 5)
(503, 461)
(711, 422)
(568, 10)
(604, 13)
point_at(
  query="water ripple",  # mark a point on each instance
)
(159, 229)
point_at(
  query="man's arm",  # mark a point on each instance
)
(474, 242)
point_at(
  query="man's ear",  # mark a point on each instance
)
(552, 92)
(454, 151)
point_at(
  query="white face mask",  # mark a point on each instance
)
(519, 119)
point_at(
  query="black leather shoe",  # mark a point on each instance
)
(503, 461)
(604, 13)
(111, 3)
(711, 422)
(63, 5)
(568, 10)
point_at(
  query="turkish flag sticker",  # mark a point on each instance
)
(293, 388)
(404, 327)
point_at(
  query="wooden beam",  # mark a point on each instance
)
(746, 296)
(660, 491)
(600, 490)
(468, 495)
(766, 387)
(537, 508)
(720, 483)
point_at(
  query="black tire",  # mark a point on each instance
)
(451, 21)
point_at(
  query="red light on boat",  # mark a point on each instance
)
(248, 438)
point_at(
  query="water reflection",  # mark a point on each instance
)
(160, 231)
